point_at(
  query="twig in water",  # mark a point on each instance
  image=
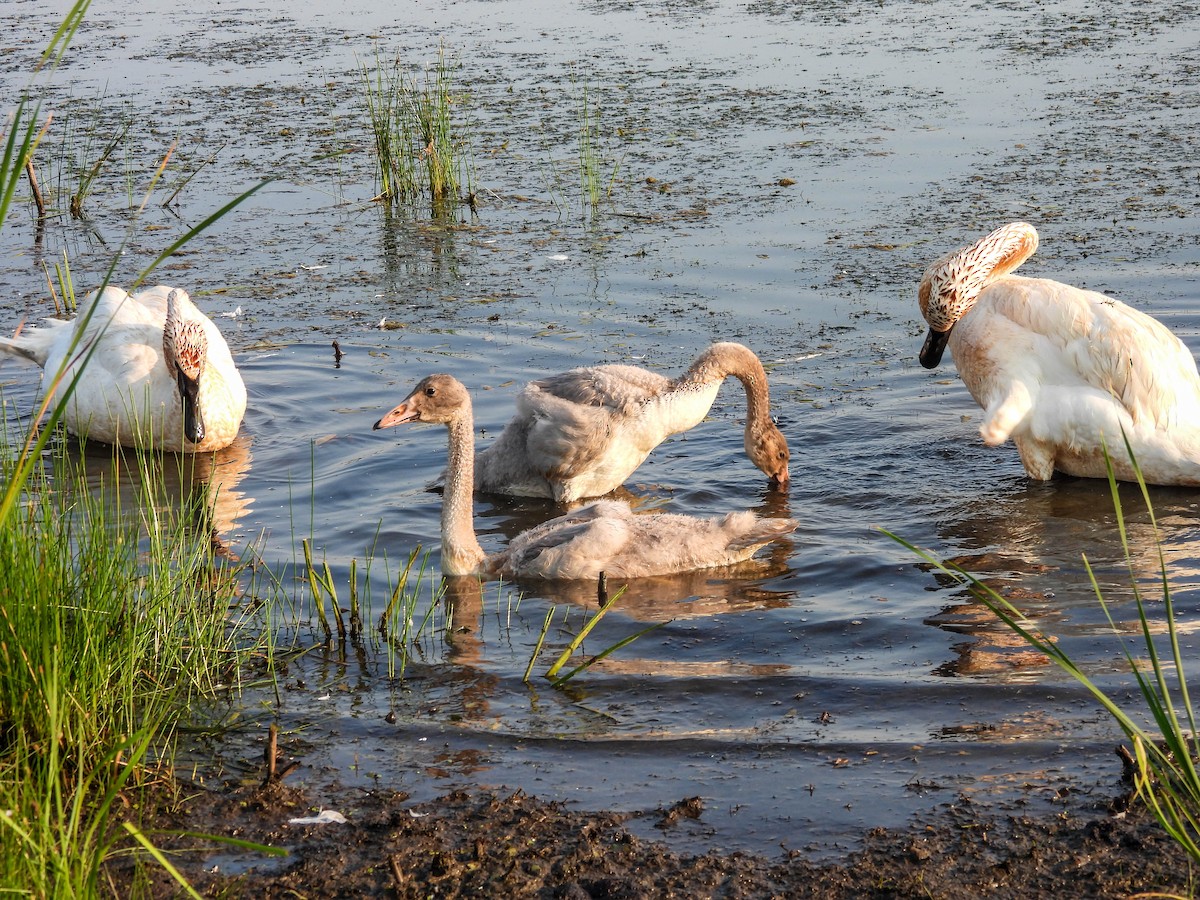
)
(396, 871)
(271, 757)
(33, 186)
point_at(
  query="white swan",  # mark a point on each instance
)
(605, 536)
(160, 376)
(583, 432)
(1061, 370)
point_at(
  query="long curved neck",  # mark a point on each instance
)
(722, 360)
(461, 553)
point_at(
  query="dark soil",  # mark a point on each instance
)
(490, 845)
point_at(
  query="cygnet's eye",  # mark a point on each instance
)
(430, 391)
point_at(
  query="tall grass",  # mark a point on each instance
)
(597, 173)
(113, 617)
(1163, 730)
(591, 171)
(421, 149)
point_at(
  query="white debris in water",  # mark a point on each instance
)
(231, 315)
(559, 257)
(416, 815)
(324, 817)
(381, 321)
(313, 268)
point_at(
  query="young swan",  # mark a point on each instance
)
(158, 372)
(1064, 372)
(582, 433)
(604, 536)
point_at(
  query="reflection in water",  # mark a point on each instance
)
(475, 685)
(1032, 546)
(414, 252)
(200, 488)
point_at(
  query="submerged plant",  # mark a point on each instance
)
(1165, 756)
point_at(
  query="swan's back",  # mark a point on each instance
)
(624, 390)
(607, 536)
(1104, 344)
(580, 433)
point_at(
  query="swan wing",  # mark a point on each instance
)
(577, 545)
(622, 389)
(1108, 345)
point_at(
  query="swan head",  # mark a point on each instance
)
(185, 349)
(438, 399)
(768, 449)
(950, 286)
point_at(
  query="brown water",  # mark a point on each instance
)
(840, 684)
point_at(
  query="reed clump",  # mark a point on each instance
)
(421, 147)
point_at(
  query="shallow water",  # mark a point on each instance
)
(837, 685)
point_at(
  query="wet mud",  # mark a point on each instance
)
(473, 844)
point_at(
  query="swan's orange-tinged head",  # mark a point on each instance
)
(952, 285)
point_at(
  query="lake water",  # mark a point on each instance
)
(839, 684)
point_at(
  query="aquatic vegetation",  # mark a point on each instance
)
(597, 172)
(399, 627)
(592, 166)
(1165, 752)
(606, 603)
(421, 149)
(114, 616)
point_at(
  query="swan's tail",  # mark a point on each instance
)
(763, 532)
(33, 344)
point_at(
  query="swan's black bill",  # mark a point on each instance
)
(933, 348)
(193, 419)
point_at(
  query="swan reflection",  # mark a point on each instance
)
(1030, 548)
(203, 489)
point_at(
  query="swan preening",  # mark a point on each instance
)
(1064, 372)
(158, 372)
(583, 432)
(605, 536)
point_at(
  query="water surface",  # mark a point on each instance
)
(838, 684)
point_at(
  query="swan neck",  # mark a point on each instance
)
(461, 553)
(722, 360)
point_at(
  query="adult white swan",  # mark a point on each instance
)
(158, 372)
(583, 432)
(605, 536)
(1061, 370)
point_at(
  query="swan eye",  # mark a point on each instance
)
(430, 391)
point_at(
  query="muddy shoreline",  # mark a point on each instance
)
(486, 844)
